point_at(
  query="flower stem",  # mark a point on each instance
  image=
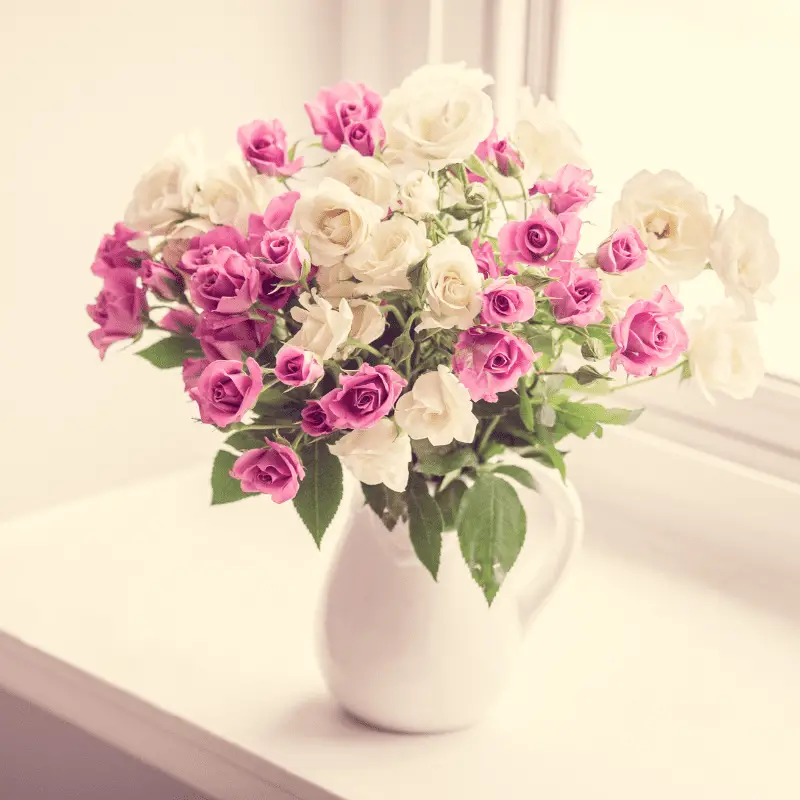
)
(678, 366)
(490, 426)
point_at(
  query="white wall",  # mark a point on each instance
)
(90, 93)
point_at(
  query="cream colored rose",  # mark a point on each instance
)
(365, 176)
(180, 235)
(418, 195)
(380, 454)
(336, 282)
(381, 265)
(335, 220)
(673, 220)
(437, 116)
(438, 409)
(324, 328)
(368, 321)
(164, 194)
(232, 192)
(744, 255)
(724, 354)
(453, 291)
(545, 142)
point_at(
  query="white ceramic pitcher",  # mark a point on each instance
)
(404, 653)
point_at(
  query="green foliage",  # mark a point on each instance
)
(320, 491)
(587, 374)
(449, 499)
(525, 406)
(389, 506)
(425, 523)
(519, 474)
(245, 440)
(533, 280)
(491, 531)
(441, 460)
(170, 352)
(224, 488)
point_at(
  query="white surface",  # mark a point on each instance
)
(641, 679)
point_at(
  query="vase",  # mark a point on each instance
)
(402, 652)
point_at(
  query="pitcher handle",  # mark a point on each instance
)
(534, 593)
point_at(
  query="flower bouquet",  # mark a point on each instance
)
(410, 295)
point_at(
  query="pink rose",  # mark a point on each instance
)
(182, 321)
(277, 216)
(264, 146)
(228, 284)
(225, 392)
(334, 110)
(274, 470)
(575, 296)
(365, 137)
(315, 420)
(504, 302)
(649, 336)
(364, 397)
(232, 335)
(283, 255)
(491, 360)
(161, 280)
(622, 252)
(120, 309)
(114, 251)
(203, 249)
(296, 367)
(192, 370)
(500, 153)
(569, 189)
(483, 254)
(542, 239)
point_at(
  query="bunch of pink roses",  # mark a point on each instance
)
(416, 301)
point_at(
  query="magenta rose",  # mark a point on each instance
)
(504, 302)
(335, 109)
(491, 360)
(365, 137)
(120, 309)
(203, 249)
(274, 470)
(228, 284)
(192, 370)
(363, 397)
(296, 367)
(315, 420)
(542, 239)
(225, 392)
(500, 153)
(270, 292)
(649, 336)
(575, 296)
(161, 280)
(182, 321)
(283, 255)
(624, 251)
(114, 251)
(569, 189)
(263, 145)
(483, 254)
(232, 336)
(277, 216)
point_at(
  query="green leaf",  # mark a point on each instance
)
(389, 506)
(600, 413)
(245, 440)
(686, 371)
(473, 164)
(169, 352)
(519, 474)
(225, 489)
(425, 523)
(553, 453)
(320, 491)
(491, 531)
(588, 374)
(592, 349)
(441, 460)
(449, 500)
(402, 348)
(525, 406)
(532, 280)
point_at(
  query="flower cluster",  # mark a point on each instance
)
(406, 293)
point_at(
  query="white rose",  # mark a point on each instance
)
(437, 116)
(324, 328)
(744, 255)
(438, 409)
(382, 263)
(380, 454)
(453, 291)
(177, 240)
(165, 192)
(231, 193)
(724, 354)
(365, 176)
(419, 195)
(335, 220)
(673, 220)
(368, 321)
(335, 282)
(545, 142)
